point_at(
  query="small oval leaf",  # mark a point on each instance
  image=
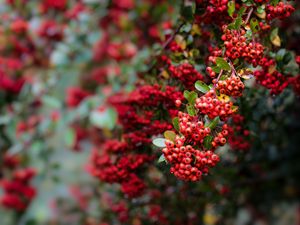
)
(159, 142)
(201, 86)
(170, 135)
(162, 159)
(176, 123)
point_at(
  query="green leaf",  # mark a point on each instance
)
(260, 9)
(273, 34)
(238, 22)
(241, 11)
(187, 12)
(249, 34)
(216, 69)
(186, 94)
(70, 137)
(222, 63)
(186, 27)
(207, 142)
(191, 110)
(231, 26)
(170, 135)
(254, 25)
(104, 119)
(287, 58)
(280, 54)
(159, 142)
(192, 97)
(176, 123)
(51, 101)
(162, 159)
(201, 86)
(213, 123)
(236, 61)
(231, 8)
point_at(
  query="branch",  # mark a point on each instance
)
(248, 16)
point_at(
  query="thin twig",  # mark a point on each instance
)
(165, 45)
(218, 78)
(248, 16)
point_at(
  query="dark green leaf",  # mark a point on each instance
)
(187, 12)
(191, 110)
(287, 58)
(213, 123)
(176, 123)
(216, 69)
(254, 25)
(238, 22)
(207, 142)
(241, 11)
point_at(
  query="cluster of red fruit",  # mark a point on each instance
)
(238, 137)
(18, 193)
(237, 46)
(186, 73)
(119, 161)
(281, 10)
(192, 128)
(210, 105)
(188, 163)
(275, 81)
(120, 170)
(232, 86)
(175, 47)
(215, 11)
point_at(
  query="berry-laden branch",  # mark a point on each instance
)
(203, 125)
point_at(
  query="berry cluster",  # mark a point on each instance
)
(220, 137)
(122, 210)
(186, 73)
(215, 11)
(51, 30)
(191, 128)
(237, 46)
(133, 186)
(112, 168)
(17, 192)
(75, 95)
(175, 47)
(232, 86)
(188, 163)
(281, 10)
(274, 81)
(238, 138)
(210, 105)
(217, 6)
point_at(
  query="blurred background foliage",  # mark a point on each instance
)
(49, 129)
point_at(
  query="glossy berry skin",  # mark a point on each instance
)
(188, 163)
(232, 86)
(211, 106)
